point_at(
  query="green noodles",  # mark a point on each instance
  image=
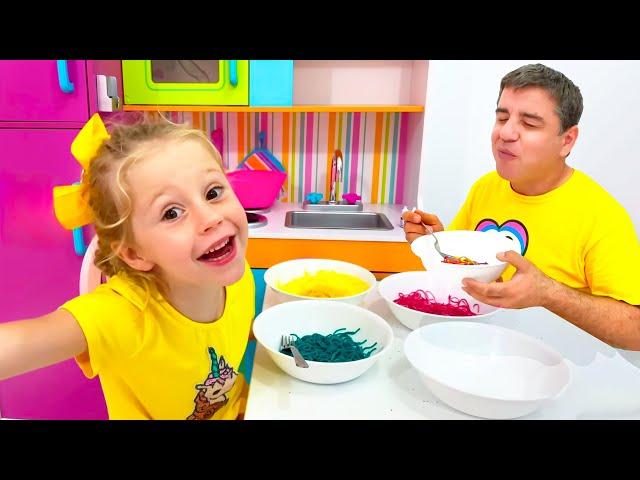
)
(338, 346)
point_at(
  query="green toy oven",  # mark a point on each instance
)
(186, 82)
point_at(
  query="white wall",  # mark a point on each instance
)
(459, 116)
(352, 82)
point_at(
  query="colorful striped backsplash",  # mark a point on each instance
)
(374, 146)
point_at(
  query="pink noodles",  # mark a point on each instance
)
(425, 301)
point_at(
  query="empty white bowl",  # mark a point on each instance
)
(485, 370)
(440, 285)
(306, 317)
(284, 272)
(476, 245)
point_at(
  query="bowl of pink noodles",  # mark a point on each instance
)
(424, 297)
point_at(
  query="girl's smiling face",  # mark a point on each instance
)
(188, 225)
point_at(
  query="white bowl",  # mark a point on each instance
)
(440, 285)
(486, 370)
(306, 317)
(287, 271)
(476, 245)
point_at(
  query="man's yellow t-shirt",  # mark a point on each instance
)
(578, 234)
(155, 363)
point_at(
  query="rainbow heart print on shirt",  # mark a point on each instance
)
(513, 230)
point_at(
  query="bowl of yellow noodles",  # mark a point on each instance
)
(320, 279)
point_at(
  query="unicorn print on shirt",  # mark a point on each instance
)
(212, 392)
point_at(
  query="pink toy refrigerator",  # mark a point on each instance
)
(45, 103)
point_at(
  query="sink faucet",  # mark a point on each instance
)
(336, 174)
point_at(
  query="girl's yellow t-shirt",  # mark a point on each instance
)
(155, 363)
(578, 234)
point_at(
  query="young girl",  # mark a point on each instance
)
(167, 332)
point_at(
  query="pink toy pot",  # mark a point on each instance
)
(256, 188)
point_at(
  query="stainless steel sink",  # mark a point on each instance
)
(325, 206)
(341, 220)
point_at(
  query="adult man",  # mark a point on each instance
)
(579, 254)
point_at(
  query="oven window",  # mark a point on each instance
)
(185, 71)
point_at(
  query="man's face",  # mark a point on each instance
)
(526, 142)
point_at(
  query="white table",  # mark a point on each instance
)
(605, 382)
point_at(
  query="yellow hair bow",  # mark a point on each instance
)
(71, 202)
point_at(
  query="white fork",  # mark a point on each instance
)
(420, 207)
(287, 343)
(428, 228)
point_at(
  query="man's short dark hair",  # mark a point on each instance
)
(566, 94)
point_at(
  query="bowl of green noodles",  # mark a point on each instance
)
(320, 279)
(339, 341)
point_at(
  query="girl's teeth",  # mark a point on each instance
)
(218, 248)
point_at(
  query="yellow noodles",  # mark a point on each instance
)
(325, 284)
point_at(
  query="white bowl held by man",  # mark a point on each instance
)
(486, 370)
(284, 272)
(306, 317)
(432, 281)
(478, 246)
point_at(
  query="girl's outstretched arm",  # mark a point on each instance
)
(27, 345)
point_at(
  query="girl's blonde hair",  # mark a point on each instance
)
(110, 193)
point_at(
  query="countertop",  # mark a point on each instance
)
(275, 227)
(605, 381)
